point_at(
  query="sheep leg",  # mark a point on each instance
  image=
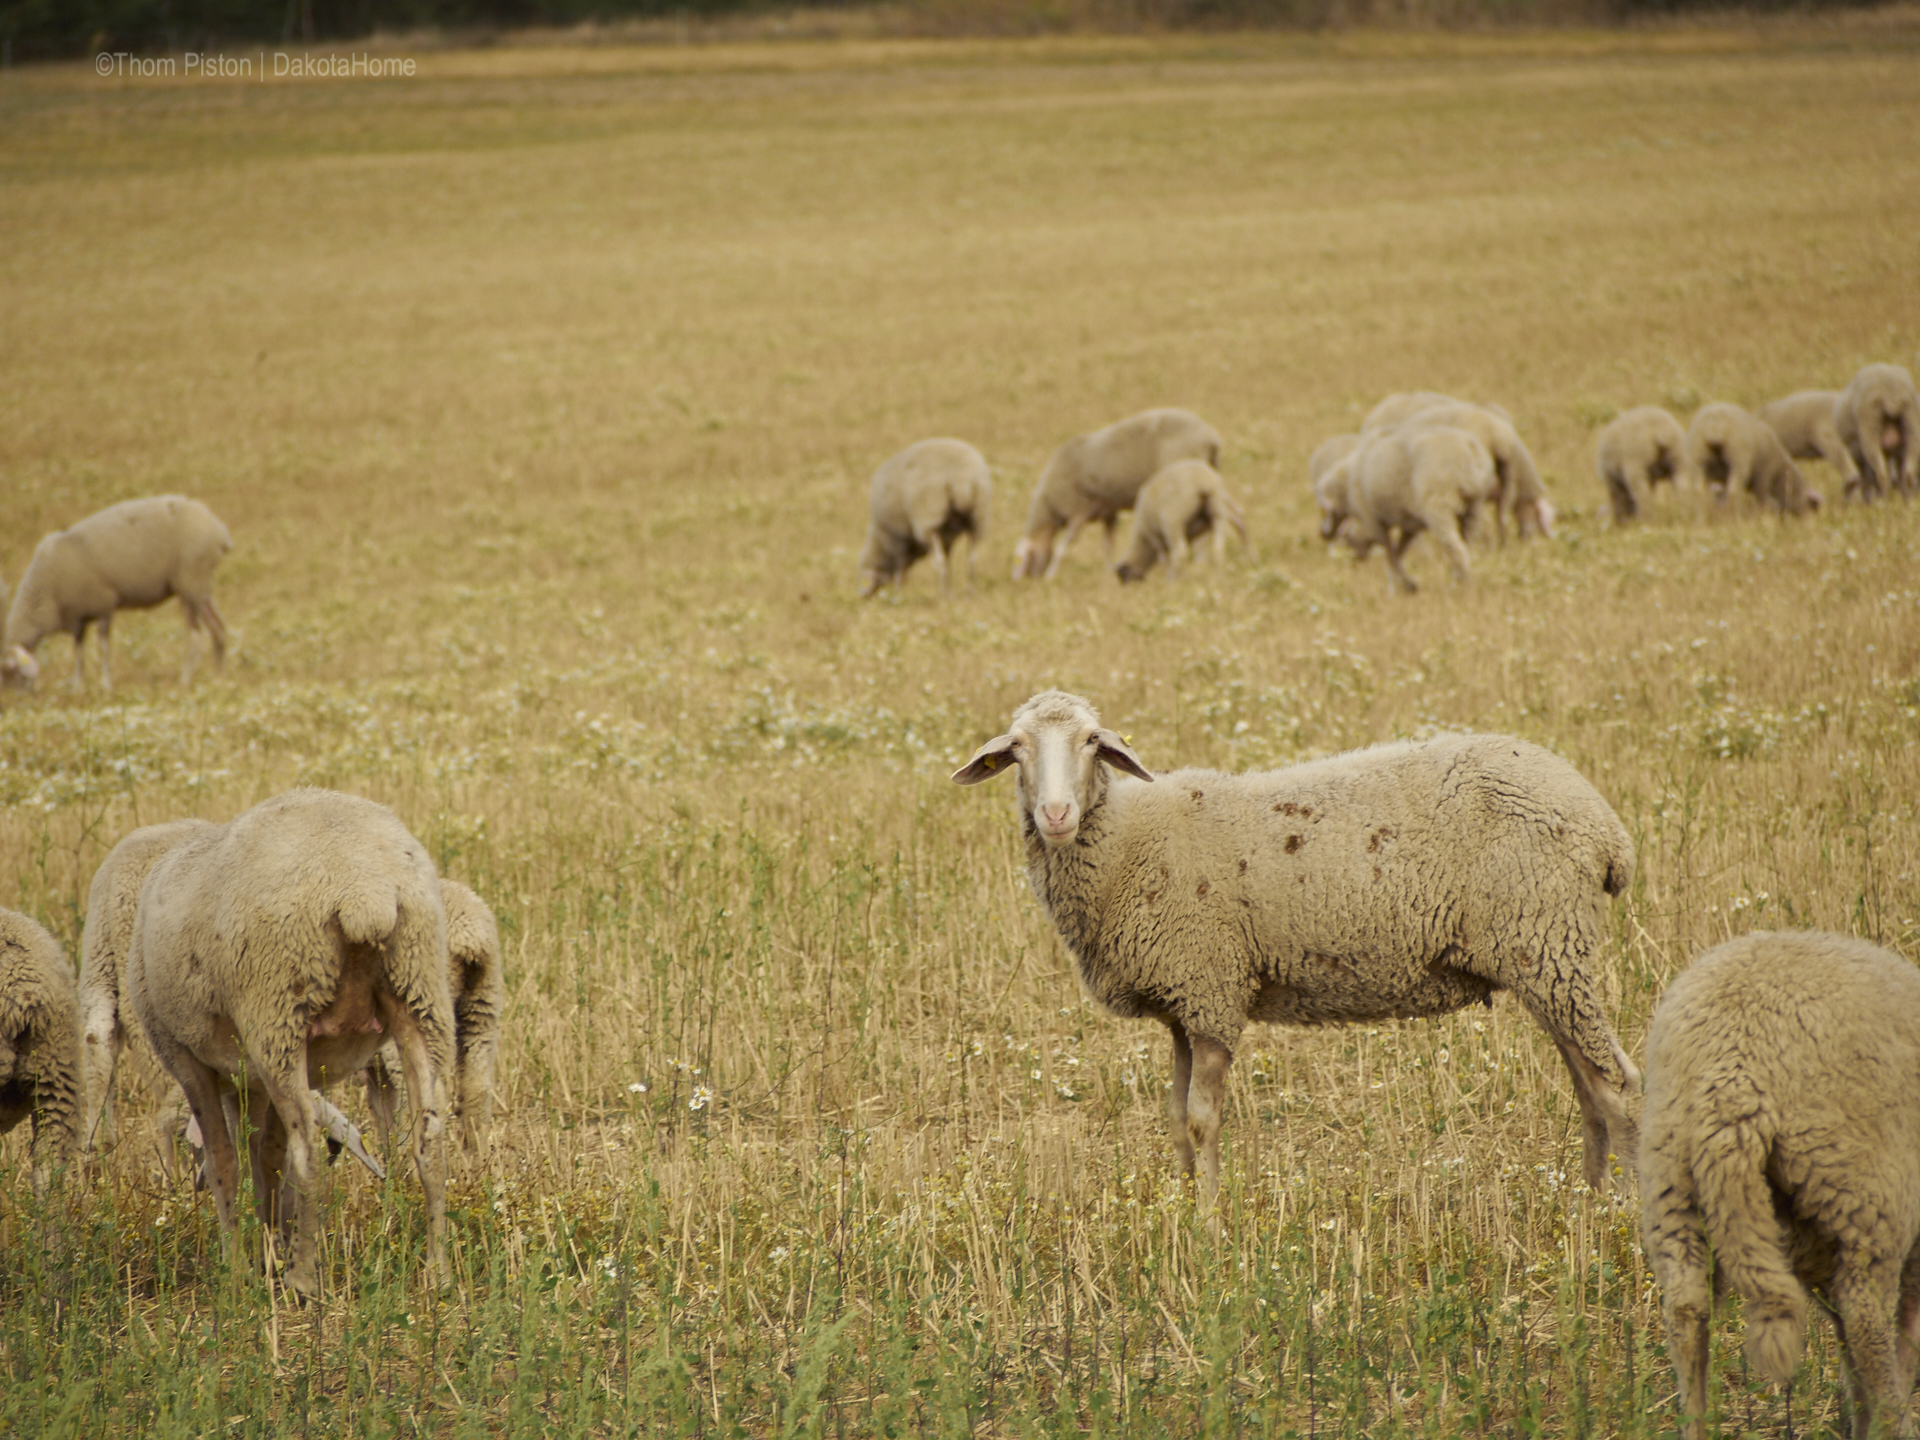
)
(1206, 1107)
(1178, 553)
(1447, 532)
(1862, 1302)
(102, 1039)
(1620, 494)
(267, 1148)
(937, 549)
(193, 640)
(288, 1141)
(1177, 1095)
(383, 1099)
(1066, 543)
(1397, 578)
(216, 630)
(106, 655)
(1676, 1246)
(221, 1159)
(425, 1090)
(473, 1069)
(1219, 547)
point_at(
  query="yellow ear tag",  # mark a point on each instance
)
(992, 762)
(1127, 740)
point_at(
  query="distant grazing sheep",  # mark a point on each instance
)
(1329, 454)
(39, 1043)
(130, 556)
(1403, 880)
(1878, 417)
(1184, 502)
(1518, 489)
(1635, 452)
(1780, 1153)
(1095, 476)
(921, 502)
(1402, 481)
(475, 981)
(281, 947)
(1805, 423)
(1732, 450)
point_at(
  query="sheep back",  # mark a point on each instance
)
(1181, 503)
(39, 1039)
(1099, 474)
(1324, 892)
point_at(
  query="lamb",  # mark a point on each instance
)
(1402, 880)
(39, 1043)
(1402, 481)
(1781, 1153)
(282, 946)
(1183, 502)
(1878, 419)
(1518, 489)
(130, 556)
(922, 501)
(1635, 452)
(1095, 476)
(1732, 450)
(474, 978)
(1805, 423)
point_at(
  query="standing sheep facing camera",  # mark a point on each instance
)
(1094, 477)
(1636, 451)
(1878, 418)
(1399, 881)
(1402, 481)
(1780, 1153)
(920, 503)
(1184, 502)
(276, 951)
(130, 556)
(1732, 450)
(39, 1043)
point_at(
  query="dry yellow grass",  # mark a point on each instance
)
(540, 394)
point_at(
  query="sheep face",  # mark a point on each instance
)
(1058, 746)
(18, 667)
(1031, 555)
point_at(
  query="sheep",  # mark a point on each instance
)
(39, 1043)
(1878, 420)
(104, 1019)
(1403, 880)
(1094, 477)
(1518, 489)
(1396, 409)
(1401, 481)
(1808, 430)
(921, 502)
(1328, 454)
(1183, 502)
(1780, 1153)
(130, 556)
(1732, 450)
(1635, 452)
(474, 978)
(283, 945)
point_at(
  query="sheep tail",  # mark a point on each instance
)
(1730, 1169)
(368, 910)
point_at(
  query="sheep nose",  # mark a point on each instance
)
(1055, 816)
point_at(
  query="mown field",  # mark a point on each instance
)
(540, 393)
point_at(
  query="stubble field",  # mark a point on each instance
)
(540, 393)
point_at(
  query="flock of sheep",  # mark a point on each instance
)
(1422, 462)
(310, 939)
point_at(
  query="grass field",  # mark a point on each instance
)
(540, 392)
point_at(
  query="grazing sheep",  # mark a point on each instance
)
(1635, 452)
(1403, 880)
(112, 900)
(1329, 454)
(1878, 419)
(282, 946)
(1402, 481)
(1183, 502)
(39, 1044)
(921, 502)
(1094, 477)
(1780, 1153)
(1732, 450)
(1396, 409)
(128, 557)
(1518, 489)
(474, 978)
(1805, 423)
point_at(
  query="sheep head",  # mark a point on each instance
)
(18, 667)
(1031, 556)
(1058, 746)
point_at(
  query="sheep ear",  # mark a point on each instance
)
(1117, 753)
(989, 760)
